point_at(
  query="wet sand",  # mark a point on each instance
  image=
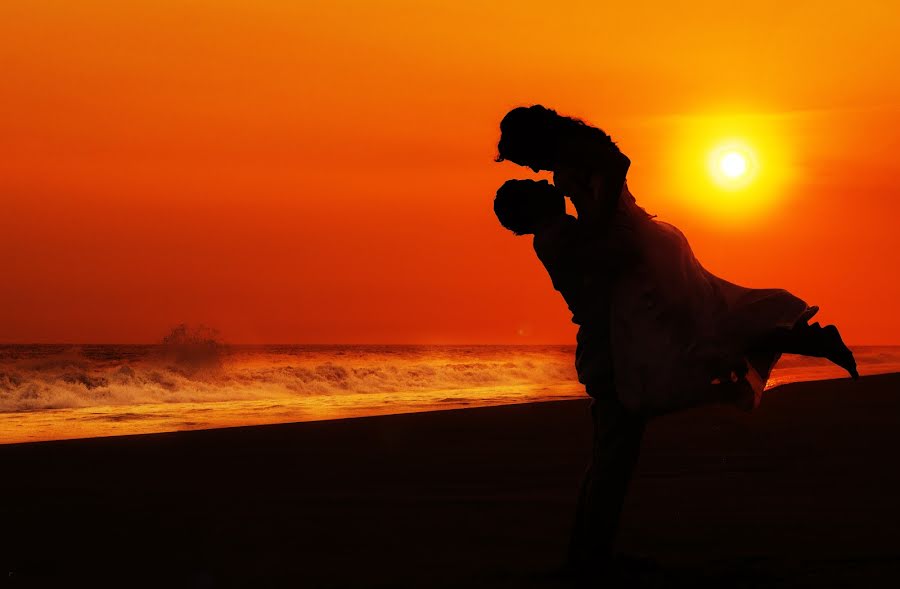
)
(803, 493)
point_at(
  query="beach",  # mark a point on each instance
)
(801, 493)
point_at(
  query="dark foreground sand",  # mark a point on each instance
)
(804, 493)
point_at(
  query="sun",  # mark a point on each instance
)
(733, 165)
(731, 170)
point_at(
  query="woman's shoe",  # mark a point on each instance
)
(838, 352)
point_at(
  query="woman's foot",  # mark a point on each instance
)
(836, 351)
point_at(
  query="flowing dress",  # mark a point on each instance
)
(673, 325)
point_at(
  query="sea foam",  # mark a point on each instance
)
(55, 392)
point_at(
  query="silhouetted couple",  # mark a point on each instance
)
(657, 332)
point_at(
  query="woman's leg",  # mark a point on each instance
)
(813, 340)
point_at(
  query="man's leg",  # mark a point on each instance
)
(616, 446)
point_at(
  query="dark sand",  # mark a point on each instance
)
(803, 493)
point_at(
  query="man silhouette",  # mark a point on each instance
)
(567, 248)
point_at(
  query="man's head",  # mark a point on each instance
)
(524, 206)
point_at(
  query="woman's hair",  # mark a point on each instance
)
(536, 134)
(524, 205)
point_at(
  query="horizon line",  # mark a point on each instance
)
(158, 343)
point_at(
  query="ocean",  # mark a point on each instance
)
(52, 392)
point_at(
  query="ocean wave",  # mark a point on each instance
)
(74, 378)
(58, 377)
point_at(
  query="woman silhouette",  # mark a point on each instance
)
(668, 333)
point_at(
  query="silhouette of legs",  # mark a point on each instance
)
(616, 446)
(814, 340)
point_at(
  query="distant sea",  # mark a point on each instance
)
(62, 391)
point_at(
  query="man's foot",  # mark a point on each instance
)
(586, 575)
(620, 570)
(837, 351)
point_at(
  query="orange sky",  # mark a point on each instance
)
(322, 171)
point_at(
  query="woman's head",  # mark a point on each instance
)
(528, 137)
(541, 139)
(524, 206)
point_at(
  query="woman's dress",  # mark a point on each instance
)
(676, 330)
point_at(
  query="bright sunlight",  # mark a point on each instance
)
(733, 164)
(731, 168)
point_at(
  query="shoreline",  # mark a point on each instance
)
(800, 493)
(102, 421)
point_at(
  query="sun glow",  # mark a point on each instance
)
(733, 164)
(730, 168)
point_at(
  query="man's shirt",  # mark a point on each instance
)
(580, 270)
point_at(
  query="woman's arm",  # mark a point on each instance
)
(594, 182)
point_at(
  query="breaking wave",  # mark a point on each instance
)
(55, 377)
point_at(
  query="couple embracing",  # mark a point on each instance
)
(657, 333)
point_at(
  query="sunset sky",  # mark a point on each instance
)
(323, 172)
